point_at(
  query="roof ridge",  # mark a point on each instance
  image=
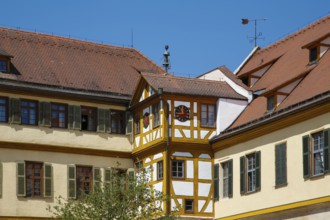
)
(71, 40)
(295, 34)
(183, 78)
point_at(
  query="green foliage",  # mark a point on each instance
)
(125, 196)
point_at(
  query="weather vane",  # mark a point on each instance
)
(256, 36)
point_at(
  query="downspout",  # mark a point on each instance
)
(168, 201)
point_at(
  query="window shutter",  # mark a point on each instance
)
(15, 111)
(280, 164)
(216, 182)
(72, 189)
(306, 162)
(242, 174)
(48, 180)
(129, 123)
(21, 184)
(1, 180)
(96, 178)
(107, 177)
(258, 172)
(74, 117)
(44, 114)
(107, 120)
(101, 120)
(230, 178)
(326, 151)
(130, 178)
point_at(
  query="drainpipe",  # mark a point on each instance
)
(168, 201)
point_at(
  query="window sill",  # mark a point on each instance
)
(281, 185)
(207, 126)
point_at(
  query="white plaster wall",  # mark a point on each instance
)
(158, 187)
(159, 155)
(190, 169)
(201, 203)
(297, 190)
(204, 189)
(154, 171)
(204, 170)
(10, 205)
(228, 111)
(182, 188)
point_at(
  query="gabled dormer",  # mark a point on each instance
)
(5, 61)
(277, 95)
(317, 48)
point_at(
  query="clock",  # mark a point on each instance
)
(182, 113)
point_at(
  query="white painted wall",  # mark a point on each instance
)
(228, 111)
(204, 189)
(190, 169)
(182, 188)
(204, 170)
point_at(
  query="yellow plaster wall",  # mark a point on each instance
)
(11, 205)
(297, 190)
(64, 137)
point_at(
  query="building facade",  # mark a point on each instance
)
(273, 161)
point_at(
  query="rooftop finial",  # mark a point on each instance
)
(166, 55)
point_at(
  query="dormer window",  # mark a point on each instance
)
(271, 103)
(313, 55)
(3, 66)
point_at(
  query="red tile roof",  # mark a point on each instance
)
(191, 86)
(62, 62)
(289, 60)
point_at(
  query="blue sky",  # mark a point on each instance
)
(202, 35)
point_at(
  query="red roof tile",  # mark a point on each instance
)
(69, 63)
(191, 86)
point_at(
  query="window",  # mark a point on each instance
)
(271, 103)
(118, 122)
(155, 112)
(88, 118)
(59, 115)
(3, 109)
(3, 66)
(34, 179)
(189, 205)
(280, 164)
(316, 153)
(178, 169)
(208, 115)
(160, 172)
(313, 55)
(82, 179)
(227, 179)
(250, 173)
(137, 124)
(29, 112)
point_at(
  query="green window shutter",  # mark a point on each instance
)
(15, 111)
(44, 114)
(107, 120)
(326, 152)
(280, 164)
(74, 117)
(101, 120)
(230, 178)
(216, 182)
(1, 180)
(258, 170)
(129, 123)
(96, 178)
(306, 161)
(21, 184)
(107, 177)
(130, 178)
(48, 180)
(72, 188)
(242, 175)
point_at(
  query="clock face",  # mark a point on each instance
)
(182, 113)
